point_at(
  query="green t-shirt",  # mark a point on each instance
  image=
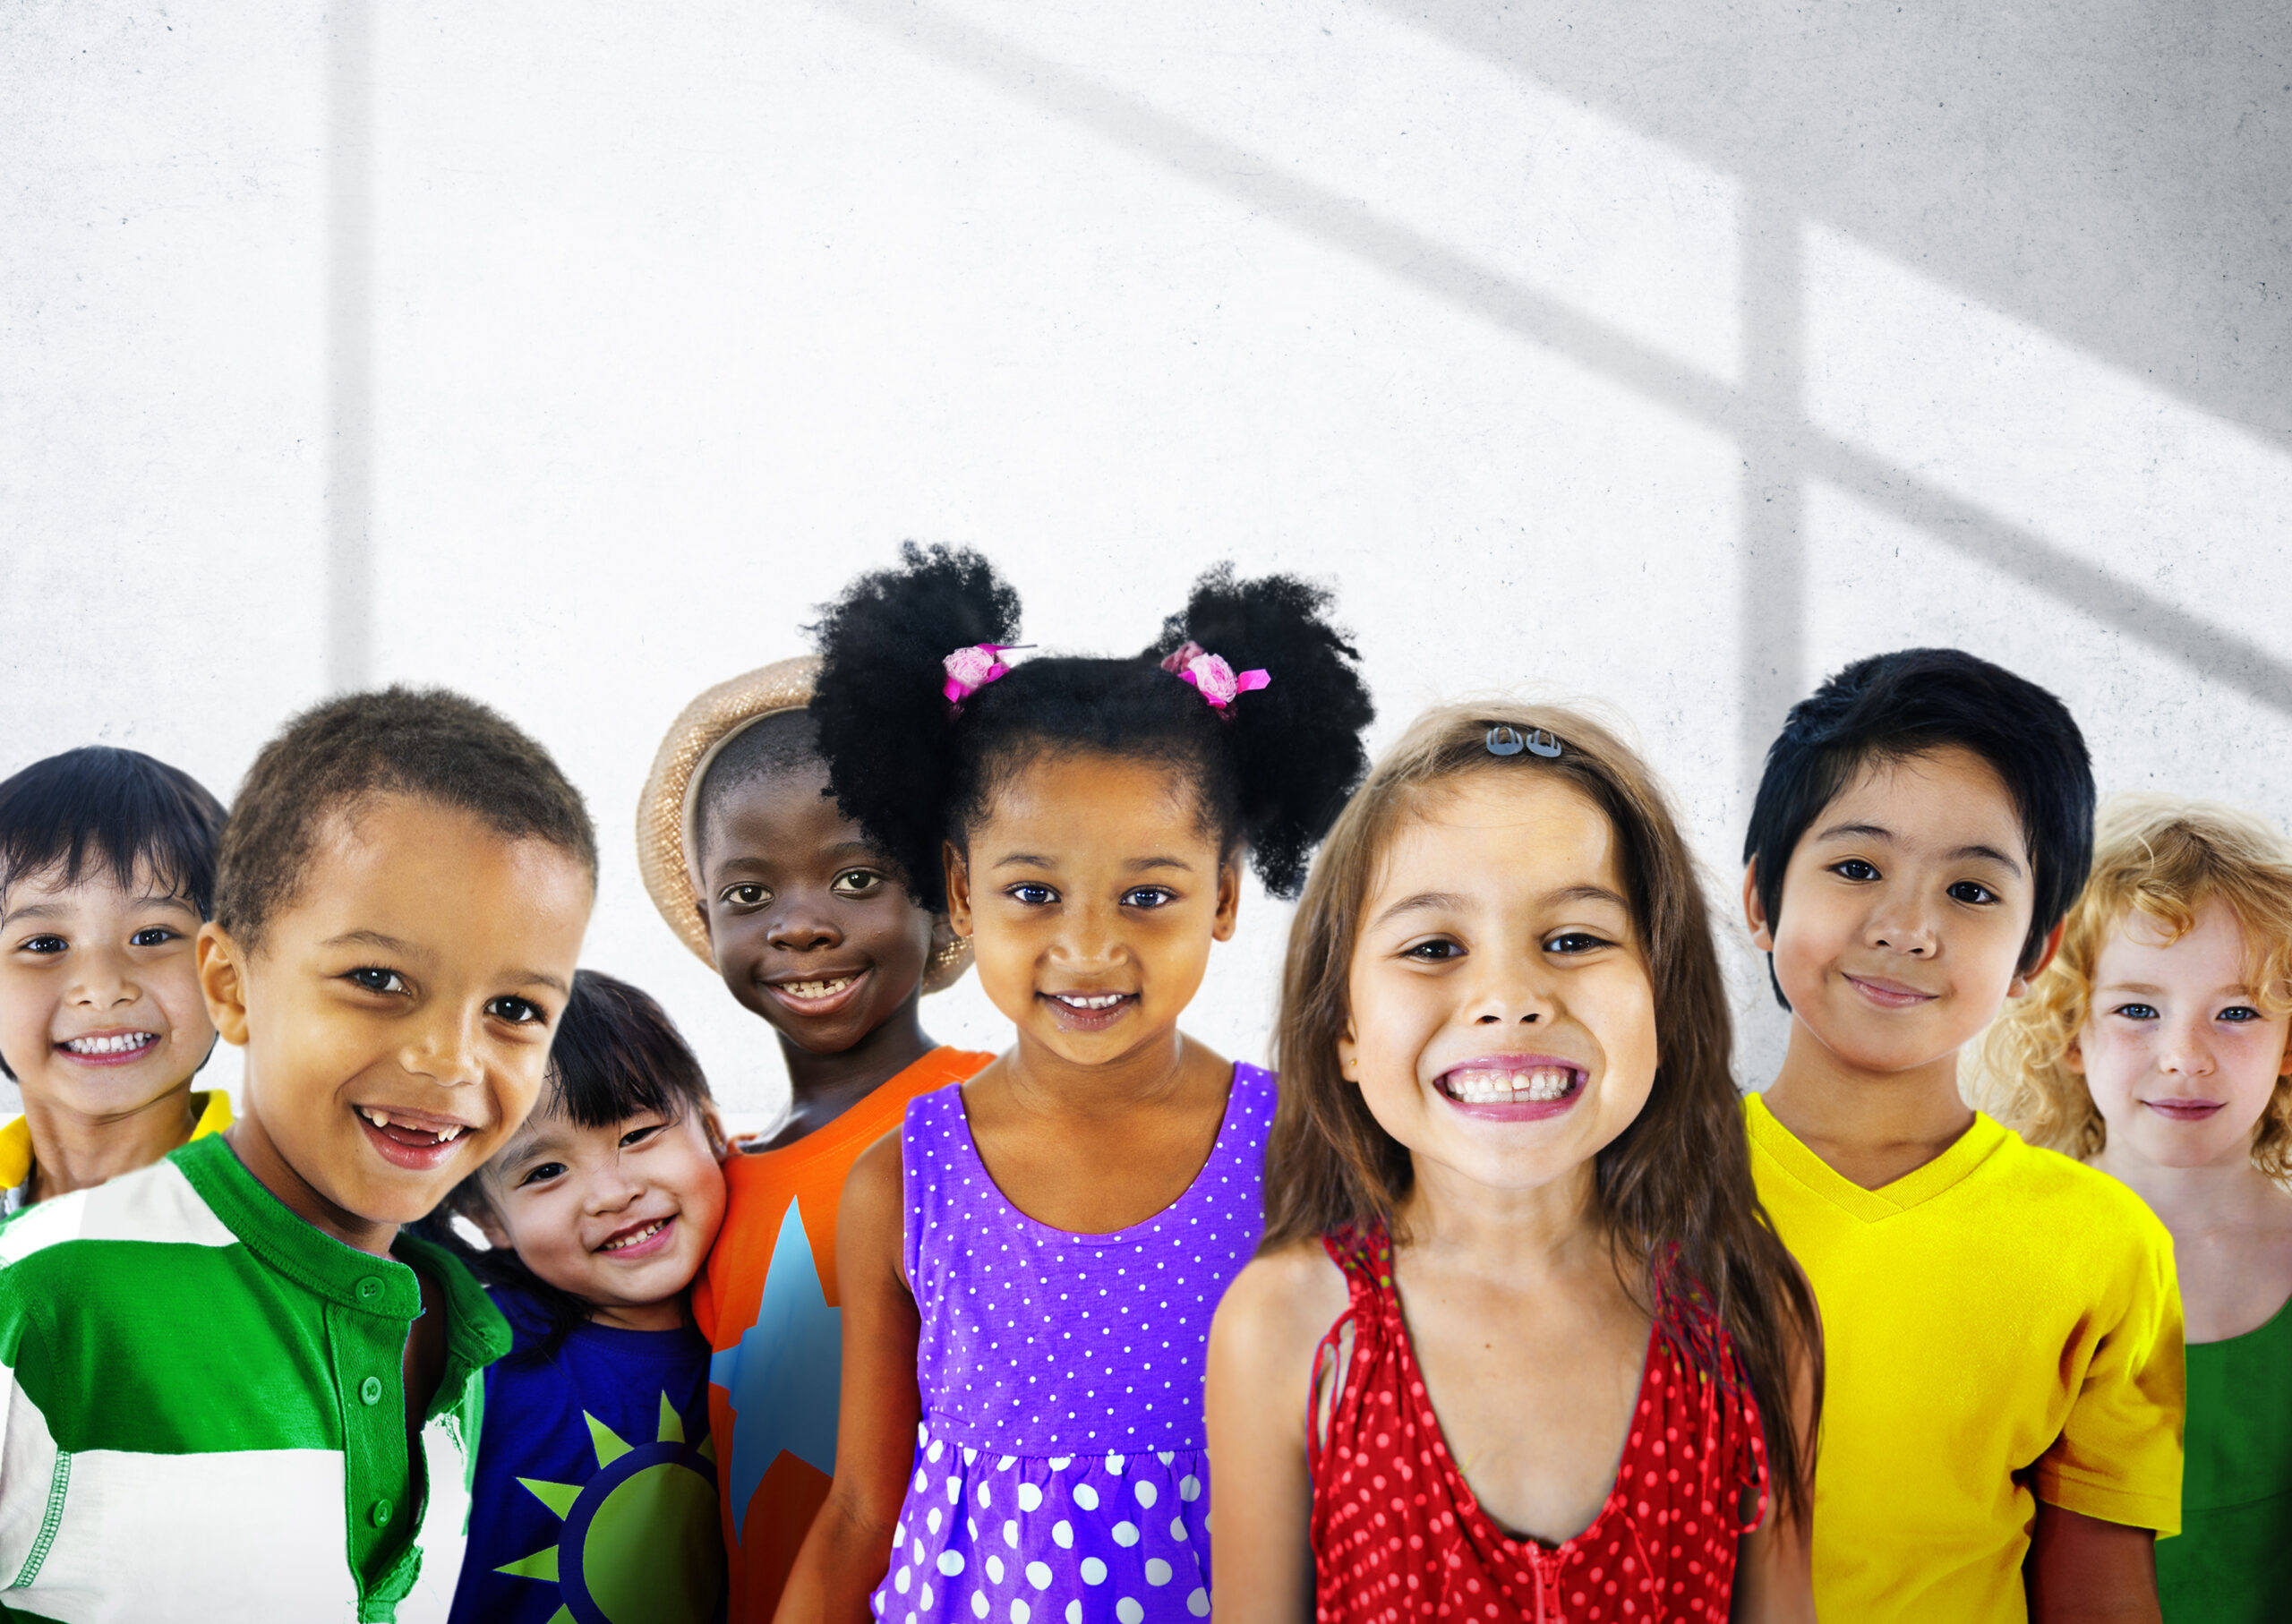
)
(204, 1413)
(2233, 1561)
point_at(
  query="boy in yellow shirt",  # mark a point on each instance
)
(106, 873)
(2002, 1418)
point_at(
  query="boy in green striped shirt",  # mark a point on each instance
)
(229, 1388)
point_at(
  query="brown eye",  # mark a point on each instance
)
(858, 882)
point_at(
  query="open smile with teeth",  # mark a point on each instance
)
(828, 988)
(1090, 1001)
(409, 1132)
(1486, 1086)
(635, 1237)
(117, 1043)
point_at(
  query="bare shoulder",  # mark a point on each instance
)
(1280, 1306)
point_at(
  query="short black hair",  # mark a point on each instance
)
(615, 1055)
(1270, 770)
(1890, 706)
(99, 809)
(425, 742)
(783, 742)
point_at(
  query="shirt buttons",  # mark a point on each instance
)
(368, 1289)
(371, 1390)
(381, 1513)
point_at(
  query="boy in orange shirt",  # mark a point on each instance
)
(757, 871)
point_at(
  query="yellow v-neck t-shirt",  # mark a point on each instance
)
(213, 1105)
(2001, 1326)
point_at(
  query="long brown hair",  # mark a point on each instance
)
(1680, 1175)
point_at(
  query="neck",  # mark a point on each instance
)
(2191, 1201)
(71, 1150)
(1146, 1076)
(1523, 1237)
(258, 1155)
(1893, 1121)
(824, 1086)
(667, 1314)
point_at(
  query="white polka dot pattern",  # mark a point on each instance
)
(1061, 1376)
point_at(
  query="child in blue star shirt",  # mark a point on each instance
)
(595, 1488)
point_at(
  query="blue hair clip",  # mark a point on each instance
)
(1504, 740)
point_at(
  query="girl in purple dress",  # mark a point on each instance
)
(1026, 1272)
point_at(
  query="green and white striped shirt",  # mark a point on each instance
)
(204, 1411)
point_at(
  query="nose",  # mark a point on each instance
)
(1088, 939)
(2187, 1050)
(1900, 923)
(800, 925)
(104, 979)
(1509, 990)
(614, 1186)
(444, 1048)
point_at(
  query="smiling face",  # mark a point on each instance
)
(620, 1215)
(2179, 1058)
(1503, 1024)
(807, 927)
(396, 1015)
(1905, 910)
(101, 1013)
(1091, 894)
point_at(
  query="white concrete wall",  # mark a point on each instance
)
(1668, 352)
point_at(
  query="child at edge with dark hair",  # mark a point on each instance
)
(1519, 1343)
(106, 873)
(232, 1389)
(600, 1210)
(2003, 1434)
(812, 927)
(1029, 1266)
(2153, 1048)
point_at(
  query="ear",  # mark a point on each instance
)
(708, 928)
(2074, 1056)
(719, 1144)
(2020, 985)
(222, 980)
(1348, 1052)
(489, 1227)
(1229, 901)
(958, 872)
(1755, 910)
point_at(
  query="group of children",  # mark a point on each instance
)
(1493, 1298)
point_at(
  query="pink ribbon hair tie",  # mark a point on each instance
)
(1218, 683)
(969, 669)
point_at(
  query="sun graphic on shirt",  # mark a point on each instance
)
(641, 1541)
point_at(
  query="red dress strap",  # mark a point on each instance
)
(1398, 1534)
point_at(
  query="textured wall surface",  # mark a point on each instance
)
(1666, 353)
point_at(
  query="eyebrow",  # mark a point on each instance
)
(1424, 901)
(1988, 854)
(56, 910)
(391, 943)
(2149, 990)
(1589, 893)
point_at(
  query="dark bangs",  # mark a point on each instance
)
(101, 810)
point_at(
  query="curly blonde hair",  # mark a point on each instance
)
(2164, 857)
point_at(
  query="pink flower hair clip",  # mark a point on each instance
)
(1218, 683)
(969, 669)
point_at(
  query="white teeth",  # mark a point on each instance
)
(1481, 1086)
(383, 1119)
(646, 1234)
(119, 1043)
(1095, 1002)
(818, 989)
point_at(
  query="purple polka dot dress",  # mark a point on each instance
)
(1059, 1475)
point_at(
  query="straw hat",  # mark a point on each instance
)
(666, 841)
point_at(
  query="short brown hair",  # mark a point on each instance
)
(2164, 859)
(1680, 1175)
(426, 742)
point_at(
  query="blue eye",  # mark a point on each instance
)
(2136, 1011)
(1854, 868)
(1031, 895)
(2239, 1013)
(1149, 896)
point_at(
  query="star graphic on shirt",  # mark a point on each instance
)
(784, 1375)
(641, 1538)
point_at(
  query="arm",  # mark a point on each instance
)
(849, 1549)
(1774, 1578)
(2082, 1570)
(1261, 1348)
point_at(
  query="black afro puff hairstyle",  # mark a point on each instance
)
(1271, 770)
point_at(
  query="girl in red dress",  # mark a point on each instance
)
(1520, 1343)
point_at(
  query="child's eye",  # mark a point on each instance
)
(378, 980)
(745, 896)
(540, 1173)
(1970, 891)
(1854, 868)
(1149, 896)
(44, 945)
(152, 936)
(1576, 941)
(637, 1136)
(2136, 1012)
(1438, 950)
(517, 1012)
(2239, 1013)
(857, 881)
(1032, 895)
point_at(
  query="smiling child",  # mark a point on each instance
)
(2153, 1048)
(2002, 1428)
(1520, 1345)
(812, 928)
(106, 873)
(231, 1389)
(1030, 1265)
(600, 1211)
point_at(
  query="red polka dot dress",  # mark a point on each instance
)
(1398, 1535)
